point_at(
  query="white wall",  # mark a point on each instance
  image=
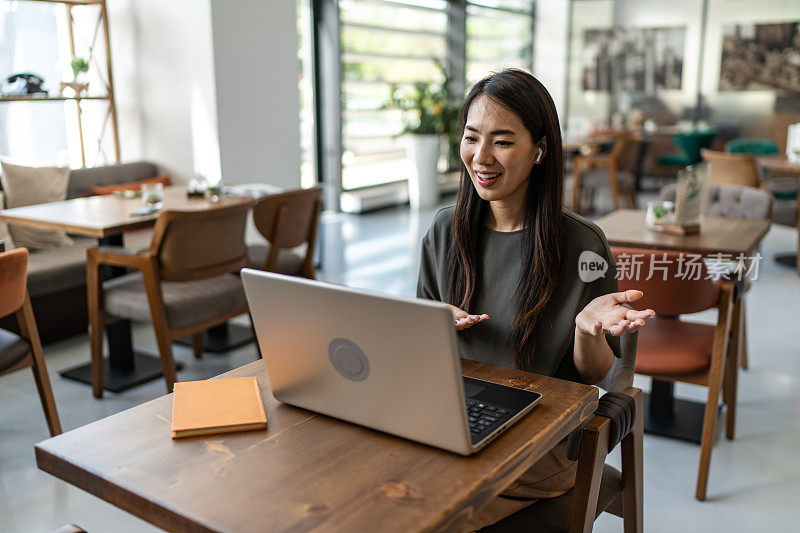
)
(258, 106)
(164, 82)
(209, 87)
(550, 50)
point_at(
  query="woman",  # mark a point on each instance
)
(506, 259)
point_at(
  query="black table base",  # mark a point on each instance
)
(145, 368)
(789, 260)
(667, 416)
(223, 338)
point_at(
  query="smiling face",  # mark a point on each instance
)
(499, 153)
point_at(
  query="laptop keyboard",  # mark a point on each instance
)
(484, 418)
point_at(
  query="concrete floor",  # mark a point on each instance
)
(754, 483)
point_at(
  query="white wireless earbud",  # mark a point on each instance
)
(539, 157)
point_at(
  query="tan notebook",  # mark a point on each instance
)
(217, 406)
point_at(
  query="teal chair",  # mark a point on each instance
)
(689, 144)
(752, 146)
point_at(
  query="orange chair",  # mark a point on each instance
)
(670, 349)
(24, 350)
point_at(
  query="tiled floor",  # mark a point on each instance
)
(754, 483)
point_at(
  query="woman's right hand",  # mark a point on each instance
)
(463, 320)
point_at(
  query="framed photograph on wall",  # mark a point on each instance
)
(757, 57)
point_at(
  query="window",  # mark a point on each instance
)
(499, 35)
(383, 42)
(29, 43)
(308, 175)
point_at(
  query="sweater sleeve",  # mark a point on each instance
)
(427, 283)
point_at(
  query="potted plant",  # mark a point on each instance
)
(430, 113)
(79, 83)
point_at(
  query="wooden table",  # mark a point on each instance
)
(107, 218)
(626, 227)
(306, 470)
(786, 171)
(664, 414)
(102, 216)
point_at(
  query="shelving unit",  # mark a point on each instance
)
(108, 82)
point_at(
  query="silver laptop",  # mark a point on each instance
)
(383, 362)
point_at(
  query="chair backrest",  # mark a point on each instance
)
(692, 143)
(13, 278)
(620, 377)
(731, 201)
(200, 244)
(734, 169)
(678, 282)
(288, 219)
(629, 154)
(752, 146)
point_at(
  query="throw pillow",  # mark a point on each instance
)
(5, 235)
(35, 185)
(128, 186)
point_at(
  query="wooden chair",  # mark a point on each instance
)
(590, 172)
(734, 201)
(672, 350)
(24, 350)
(598, 487)
(186, 282)
(733, 169)
(287, 220)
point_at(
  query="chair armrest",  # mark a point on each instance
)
(620, 409)
(116, 256)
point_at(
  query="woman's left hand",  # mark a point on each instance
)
(607, 314)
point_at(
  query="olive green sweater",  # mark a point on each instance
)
(490, 341)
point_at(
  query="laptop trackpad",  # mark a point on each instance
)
(472, 389)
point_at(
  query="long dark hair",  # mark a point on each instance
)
(525, 96)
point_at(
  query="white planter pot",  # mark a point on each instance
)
(423, 185)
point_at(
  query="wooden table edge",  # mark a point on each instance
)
(160, 514)
(155, 512)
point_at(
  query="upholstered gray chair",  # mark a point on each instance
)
(186, 282)
(598, 487)
(732, 201)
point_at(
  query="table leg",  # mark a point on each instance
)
(123, 368)
(223, 338)
(670, 417)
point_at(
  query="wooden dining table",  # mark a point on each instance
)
(786, 171)
(306, 471)
(722, 238)
(108, 218)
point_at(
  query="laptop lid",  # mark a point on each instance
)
(384, 362)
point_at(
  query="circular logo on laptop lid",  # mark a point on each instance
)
(348, 359)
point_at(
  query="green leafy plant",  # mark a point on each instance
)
(429, 108)
(78, 65)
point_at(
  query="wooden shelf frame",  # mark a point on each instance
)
(108, 82)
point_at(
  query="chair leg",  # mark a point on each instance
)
(198, 339)
(594, 449)
(731, 372)
(576, 186)
(742, 335)
(167, 359)
(28, 326)
(612, 177)
(709, 426)
(633, 471)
